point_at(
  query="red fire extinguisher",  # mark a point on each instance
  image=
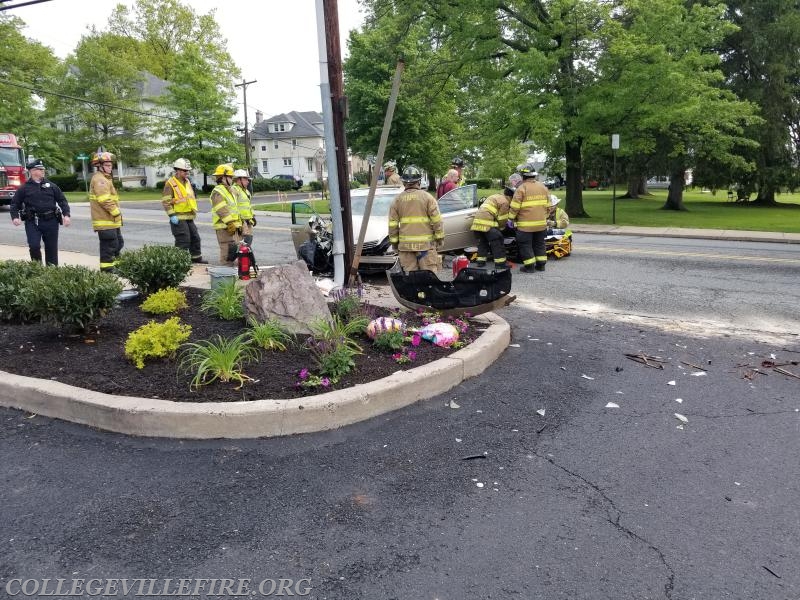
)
(460, 262)
(246, 261)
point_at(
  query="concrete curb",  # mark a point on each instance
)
(260, 418)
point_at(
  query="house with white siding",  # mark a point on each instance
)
(292, 143)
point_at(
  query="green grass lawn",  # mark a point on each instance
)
(704, 211)
(319, 206)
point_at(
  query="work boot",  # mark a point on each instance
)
(540, 266)
(527, 269)
(199, 261)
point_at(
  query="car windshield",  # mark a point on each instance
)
(380, 204)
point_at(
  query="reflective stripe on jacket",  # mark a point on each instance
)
(414, 221)
(223, 207)
(561, 218)
(529, 206)
(492, 213)
(104, 203)
(243, 202)
(178, 199)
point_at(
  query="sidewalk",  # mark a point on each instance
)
(733, 235)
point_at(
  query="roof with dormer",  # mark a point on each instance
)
(304, 124)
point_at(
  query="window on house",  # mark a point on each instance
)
(310, 165)
(265, 166)
(263, 148)
(287, 162)
(276, 145)
(280, 127)
(294, 143)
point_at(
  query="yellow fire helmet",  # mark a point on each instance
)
(225, 169)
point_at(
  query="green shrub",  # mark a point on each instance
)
(218, 359)
(72, 296)
(483, 184)
(153, 268)
(346, 302)
(389, 340)
(314, 186)
(334, 358)
(156, 340)
(15, 275)
(225, 302)
(270, 335)
(354, 185)
(338, 330)
(166, 301)
(272, 185)
(67, 183)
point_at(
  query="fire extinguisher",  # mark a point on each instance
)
(246, 261)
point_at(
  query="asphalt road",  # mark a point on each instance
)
(583, 501)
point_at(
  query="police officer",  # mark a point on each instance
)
(415, 225)
(43, 207)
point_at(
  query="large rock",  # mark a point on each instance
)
(286, 293)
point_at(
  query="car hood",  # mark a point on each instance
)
(377, 228)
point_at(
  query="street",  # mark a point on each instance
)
(526, 482)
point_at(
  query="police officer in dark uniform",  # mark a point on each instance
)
(43, 207)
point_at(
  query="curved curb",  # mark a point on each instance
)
(258, 418)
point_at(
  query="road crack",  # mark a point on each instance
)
(614, 517)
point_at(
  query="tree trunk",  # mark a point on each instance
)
(637, 187)
(675, 193)
(574, 205)
(431, 184)
(766, 196)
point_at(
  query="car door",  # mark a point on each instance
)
(458, 208)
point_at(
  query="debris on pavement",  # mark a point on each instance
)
(681, 418)
(671, 382)
(699, 374)
(612, 405)
(785, 372)
(540, 411)
(585, 376)
(679, 400)
(770, 571)
(479, 484)
(649, 361)
(454, 405)
(513, 346)
(694, 366)
(474, 456)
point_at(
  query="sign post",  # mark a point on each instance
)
(83, 158)
(614, 148)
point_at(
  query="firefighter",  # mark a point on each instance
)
(528, 215)
(458, 164)
(180, 203)
(106, 214)
(241, 186)
(556, 218)
(491, 216)
(415, 225)
(390, 176)
(43, 206)
(225, 215)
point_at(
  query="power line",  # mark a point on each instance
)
(83, 100)
(10, 6)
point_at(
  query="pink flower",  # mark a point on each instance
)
(303, 374)
(397, 355)
(325, 382)
(412, 355)
(416, 339)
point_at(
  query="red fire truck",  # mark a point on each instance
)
(12, 167)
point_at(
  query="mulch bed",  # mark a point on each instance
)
(97, 361)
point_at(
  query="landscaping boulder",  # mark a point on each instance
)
(286, 293)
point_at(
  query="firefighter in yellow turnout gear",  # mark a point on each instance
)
(180, 204)
(489, 221)
(105, 211)
(241, 186)
(415, 225)
(225, 215)
(528, 215)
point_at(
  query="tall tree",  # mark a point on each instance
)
(163, 29)
(28, 65)
(202, 128)
(762, 64)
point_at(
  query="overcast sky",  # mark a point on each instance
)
(271, 41)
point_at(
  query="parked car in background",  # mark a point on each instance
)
(659, 182)
(458, 207)
(297, 182)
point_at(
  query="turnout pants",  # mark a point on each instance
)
(225, 239)
(111, 244)
(531, 247)
(491, 240)
(43, 230)
(247, 233)
(420, 260)
(187, 237)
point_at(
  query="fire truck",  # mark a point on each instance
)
(12, 167)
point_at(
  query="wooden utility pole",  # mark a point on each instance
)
(244, 85)
(339, 105)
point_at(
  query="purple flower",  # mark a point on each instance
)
(412, 355)
(416, 339)
(325, 382)
(397, 355)
(303, 374)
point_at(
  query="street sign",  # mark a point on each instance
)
(81, 157)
